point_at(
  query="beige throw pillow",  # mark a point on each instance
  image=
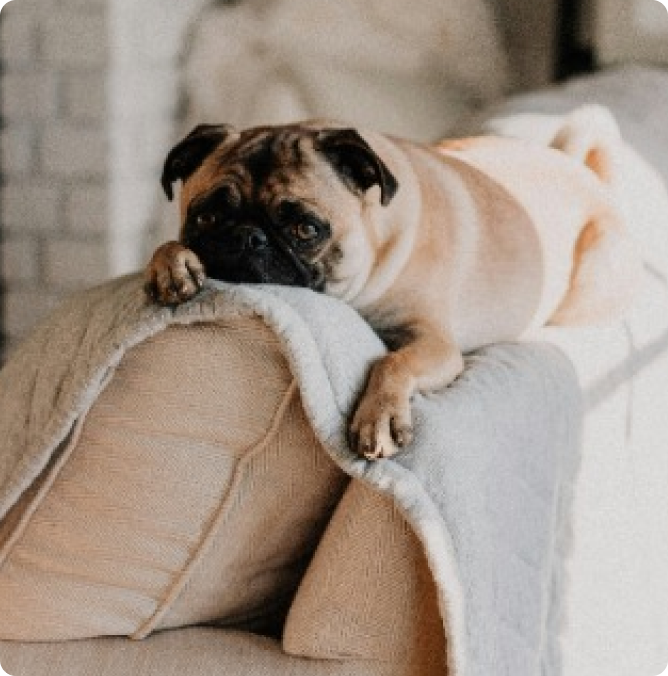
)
(194, 490)
(368, 593)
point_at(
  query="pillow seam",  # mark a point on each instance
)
(186, 572)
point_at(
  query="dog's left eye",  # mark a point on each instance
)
(305, 231)
(206, 220)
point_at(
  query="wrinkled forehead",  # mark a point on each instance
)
(260, 163)
(269, 154)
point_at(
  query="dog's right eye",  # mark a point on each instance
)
(206, 220)
(305, 231)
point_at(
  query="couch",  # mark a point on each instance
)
(166, 514)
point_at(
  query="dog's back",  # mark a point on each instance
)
(607, 263)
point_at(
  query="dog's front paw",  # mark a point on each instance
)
(174, 275)
(382, 424)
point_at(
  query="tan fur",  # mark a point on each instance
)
(486, 239)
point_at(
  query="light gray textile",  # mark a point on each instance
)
(485, 485)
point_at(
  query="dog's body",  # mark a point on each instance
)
(443, 249)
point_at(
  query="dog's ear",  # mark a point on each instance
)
(356, 162)
(187, 155)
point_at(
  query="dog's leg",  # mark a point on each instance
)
(607, 269)
(174, 274)
(382, 423)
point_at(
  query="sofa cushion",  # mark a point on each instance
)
(194, 651)
(369, 593)
(193, 490)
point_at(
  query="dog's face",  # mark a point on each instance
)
(285, 205)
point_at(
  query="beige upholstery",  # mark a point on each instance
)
(166, 509)
(186, 652)
(368, 546)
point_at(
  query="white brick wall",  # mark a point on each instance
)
(20, 259)
(31, 205)
(76, 38)
(70, 263)
(89, 92)
(87, 208)
(19, 42)
(29, 95)
(55, 155)
(70, 151)
(84, 97)
(17, 144)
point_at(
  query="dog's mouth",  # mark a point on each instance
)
(254, 257)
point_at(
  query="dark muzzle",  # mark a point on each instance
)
(247, 253)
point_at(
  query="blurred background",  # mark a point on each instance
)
(95, 92)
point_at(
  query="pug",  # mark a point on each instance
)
(443, 249)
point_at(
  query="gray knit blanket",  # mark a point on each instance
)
(485, 485)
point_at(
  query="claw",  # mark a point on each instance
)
(402, 435)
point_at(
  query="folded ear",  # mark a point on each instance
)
(187, 155)
(356, 162)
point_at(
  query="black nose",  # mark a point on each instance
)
(250, 238)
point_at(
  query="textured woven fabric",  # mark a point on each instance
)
(368, 546)
(186, 652)
(264, 536)
(173, 502)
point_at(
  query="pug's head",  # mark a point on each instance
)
(288, 205)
